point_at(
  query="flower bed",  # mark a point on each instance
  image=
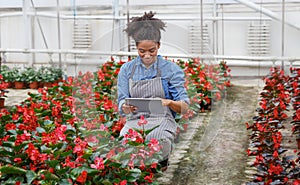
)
(273, 167)
(295, 92)
(68, 134)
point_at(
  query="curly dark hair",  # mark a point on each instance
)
(145, 28)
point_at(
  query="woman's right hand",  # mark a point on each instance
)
(128, 108)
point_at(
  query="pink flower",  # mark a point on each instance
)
(142, 121)
(99, 164)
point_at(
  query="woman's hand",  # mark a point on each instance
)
(177, 106)
(128, 108)
(165, 102)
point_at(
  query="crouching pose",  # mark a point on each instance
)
(151, 76)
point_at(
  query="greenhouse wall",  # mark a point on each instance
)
(226, 37)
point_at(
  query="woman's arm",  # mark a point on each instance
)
(177, 106)
(180, 99)
(123, 91)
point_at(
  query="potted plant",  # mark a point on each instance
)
(7, 75)
(3, 87)
(46, 76)
(57, 73)
(31, 77)
(18, 77)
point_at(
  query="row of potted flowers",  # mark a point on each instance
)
(68, 134)
(3, 91)
(31, 77)
(273, 167)
(295, 93)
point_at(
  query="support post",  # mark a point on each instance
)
(27, 30)
(58, 32)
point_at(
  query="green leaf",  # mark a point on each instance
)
(40, 130)
(22, 145)
(30, 175)
(106, 182)
(6, 160)
(64, 182)
(13, 132)
(49, 176)
(46, 113)
(64, 154)
(114, 164)
(12, 170)
(150, 130)
(68, 116)
(136, 171)
(52, 163)
(79, 170)
(8, 144)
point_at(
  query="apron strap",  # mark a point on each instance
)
(132, 72)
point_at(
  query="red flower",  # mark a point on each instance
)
(275, 169)
(108, 104)
(10, 126)
(149, 178)
(154, 165)
(275, 112)
(32, 152)
(99, 164)
(110, 154)
(17, 160)
(142, 121)
(123, 182)
(296, 182)
(101, 75)
(82, 177)
(275, 154)
(134, 136)
(15, 117)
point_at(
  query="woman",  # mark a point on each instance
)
(150, 76)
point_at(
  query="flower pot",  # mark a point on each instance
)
(10, 85)
(47, 84)
(2, 100)
(33, 85)
(41, 84)
(19, 85)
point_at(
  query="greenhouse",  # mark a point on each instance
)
(119, 92)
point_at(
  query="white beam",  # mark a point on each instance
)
(27, 29)
(267, 12)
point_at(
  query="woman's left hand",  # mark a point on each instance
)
(166, 102)
(177, 106)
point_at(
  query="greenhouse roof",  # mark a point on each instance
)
(50, 3)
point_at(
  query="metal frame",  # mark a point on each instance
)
(27, 49)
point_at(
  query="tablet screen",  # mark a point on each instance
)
(152, 105)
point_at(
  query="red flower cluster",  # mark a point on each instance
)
(266, 137)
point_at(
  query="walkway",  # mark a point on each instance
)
(15, 96)
(213, 151)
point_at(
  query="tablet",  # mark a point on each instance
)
(151, 105)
